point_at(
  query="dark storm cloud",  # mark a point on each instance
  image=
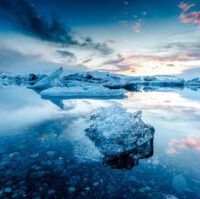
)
(24, 17)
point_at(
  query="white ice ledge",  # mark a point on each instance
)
(86, 91)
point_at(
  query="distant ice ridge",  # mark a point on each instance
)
(95, 78)
(115, 131)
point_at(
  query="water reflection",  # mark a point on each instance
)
(44, 149)
(190, 143)
(130, 159)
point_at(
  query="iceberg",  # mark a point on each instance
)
(84, 91)
(114, 131)
(49, 81)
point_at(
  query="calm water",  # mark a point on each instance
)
(45, 154)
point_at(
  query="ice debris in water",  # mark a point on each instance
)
(84, 91)
(49, 81)
(115, 131)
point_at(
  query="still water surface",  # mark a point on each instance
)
(44, 152)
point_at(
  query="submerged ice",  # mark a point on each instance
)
(115, 131)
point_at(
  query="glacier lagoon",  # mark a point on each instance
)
(45, 152)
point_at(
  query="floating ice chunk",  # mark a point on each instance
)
(115, 131)
(85, 91)
(48, 81)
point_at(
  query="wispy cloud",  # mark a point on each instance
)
(116, 65)
(179, 56)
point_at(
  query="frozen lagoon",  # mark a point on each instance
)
(44, 150)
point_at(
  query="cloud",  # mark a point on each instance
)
(86, 61)
(13, 60)
(193, 17)
(189, 17)
(182, 46)
(115, 61)
(67, 54)
(24, 17)
(185, 6)
(116, 65)
(180, 56)
(137, 27)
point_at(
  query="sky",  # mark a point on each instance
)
(132, 37)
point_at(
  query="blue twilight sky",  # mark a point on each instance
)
(135, 37)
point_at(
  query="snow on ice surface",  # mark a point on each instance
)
(84, 91)
(115, 131)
